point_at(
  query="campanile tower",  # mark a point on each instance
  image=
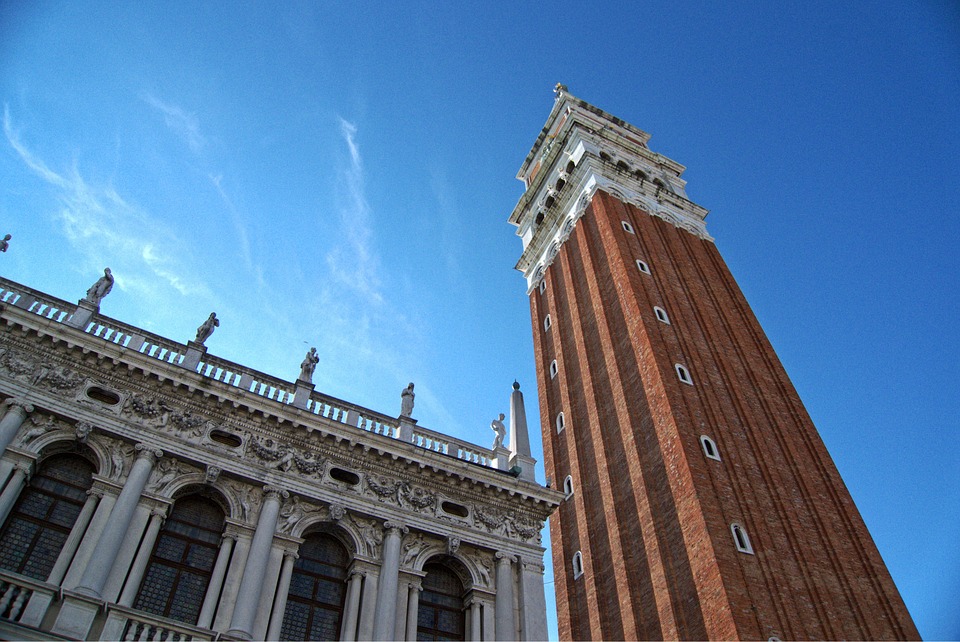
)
(701, 502)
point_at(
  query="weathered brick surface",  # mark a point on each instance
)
(650, 513)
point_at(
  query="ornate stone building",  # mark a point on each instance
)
(149, 490)
(700, 500)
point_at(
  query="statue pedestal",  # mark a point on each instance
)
(82, 315)
(406, 428)
(302, 394)
(527, 466)
(501, 458)
(195, 352)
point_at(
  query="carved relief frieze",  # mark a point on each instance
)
(293, 512)
(507, 523)
(370, 531)
(168, 471)
(39, 425)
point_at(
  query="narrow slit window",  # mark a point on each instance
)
(568, 486)
(547, 323)
(741, 539)
(627, 227)
(709, 448)
(577, 565)
(683, 374)
(643, 267)
(561, 422)
(543, 287)
(661, 314)
(553, 368)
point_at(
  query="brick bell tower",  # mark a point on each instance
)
(701, 502)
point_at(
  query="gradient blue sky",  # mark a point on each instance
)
(340, 175)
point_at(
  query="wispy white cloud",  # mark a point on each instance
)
(354, 263)
(183, 124)
(104, 227)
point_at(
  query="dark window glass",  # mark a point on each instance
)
(42, 518)
(176, 580)
(440, 613)
(317, 590)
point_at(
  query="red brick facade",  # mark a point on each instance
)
(650, 513)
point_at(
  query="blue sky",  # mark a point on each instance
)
(340, 175)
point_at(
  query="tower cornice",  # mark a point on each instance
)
(582, 149)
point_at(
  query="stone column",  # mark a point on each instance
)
(533, 604)
(280, 600)
(504, 618)
(368, 605)
(413, 605)
(59, 570)
(132, 587)
(248, 597)
(268, 593)
(131, 542)
(489, 620)
(101, 515)
(13, 418)
(95, 575)
(386, 611)
(348, 631)
(475, 620)
(231, 582)
(11, 491)
(209, 608)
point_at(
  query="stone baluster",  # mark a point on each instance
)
(95, 575)
(280, 600)
(413, 605)
(504, 601)
(248, 597)
(386, 611)
(19, 478)
(13, 418)
(209, 608)
(132, 587)
(348, 632)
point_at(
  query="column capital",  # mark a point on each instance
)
(18, 403)
(395, 527)
(415, 586)
(531, 564)
(289, 553)
(276, 492)
(23, 467)
(146, 451)
(159, 511)
(503, 556)
(96, 492)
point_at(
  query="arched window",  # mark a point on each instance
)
(568, 486)
(176, 580)
(661, 314)
(553, 369)
(683, 374)
(317, 590)
(709, 448)
(561, 422)
(440, 613)
(547, 323)
(44, 514)
(627, 227)
(577, 565)
(741, 539)
(643, 267)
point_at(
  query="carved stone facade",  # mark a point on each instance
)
(283, 476)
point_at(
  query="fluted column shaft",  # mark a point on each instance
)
(95, 575)
(504, 602)
(280, 600)
(248, 597)
(348, 632)
(386, 612)
(132, 587)
(13, 418)
(209, 608)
